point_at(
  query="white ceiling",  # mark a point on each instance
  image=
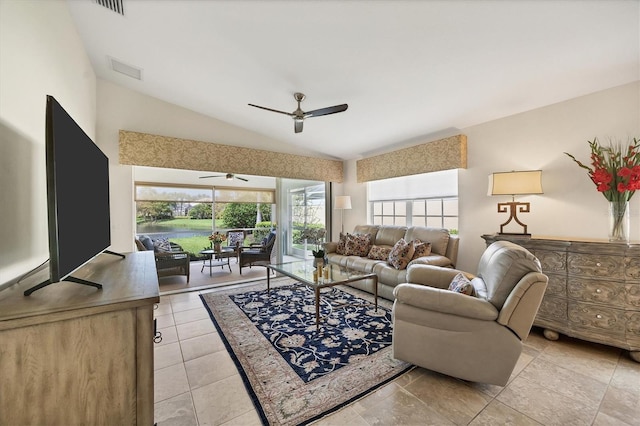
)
(410, 71)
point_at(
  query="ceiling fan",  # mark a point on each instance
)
(299, 115)
(228, 176)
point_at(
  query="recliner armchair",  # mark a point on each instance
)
(477, 339)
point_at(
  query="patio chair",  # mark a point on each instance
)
(175, 261)
(235, 240)
(259, 255)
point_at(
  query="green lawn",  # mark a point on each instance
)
(185, 222)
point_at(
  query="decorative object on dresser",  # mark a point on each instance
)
(515, 183)
(616, 173)
(593, 292)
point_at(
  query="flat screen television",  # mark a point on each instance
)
(77, 197)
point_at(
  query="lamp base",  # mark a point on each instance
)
(515, 207)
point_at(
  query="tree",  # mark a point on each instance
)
(200, 211)
(155, 210)
(243, 215)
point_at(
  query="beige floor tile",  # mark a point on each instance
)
(195, 328)
(621, 405)
(590, 359)
(209, 369)
(398, 408)
(536, 340)
(169, 335)
(564, 381)
(167, 355)
(169, 382)
(184, 297)
(163, 308)
(176, 411)
(605, 420)
(449, 397)
(222, 401)
(346, 416)
(183, 317)
(186, 305)
(201, 345)
(249, 418)
(545, 405)
(627, 375)
(164, 321)
(496, 413)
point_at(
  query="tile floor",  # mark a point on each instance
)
(567, 382)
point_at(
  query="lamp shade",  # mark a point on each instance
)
(515, 183)
(342, 202)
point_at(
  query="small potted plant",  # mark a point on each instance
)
(216, 240)
(315, 236)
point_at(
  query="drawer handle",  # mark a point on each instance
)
(599, 316)
(598, 290)
(598, 264)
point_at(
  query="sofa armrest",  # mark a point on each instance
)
(452, 249)
(432, 276)
(330, 247)
(445, 301)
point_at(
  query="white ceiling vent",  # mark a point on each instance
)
(125, 69)
(115, 5)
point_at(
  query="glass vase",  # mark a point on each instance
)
(619, 221)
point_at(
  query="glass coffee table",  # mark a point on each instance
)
(303, 270)
(217, 258)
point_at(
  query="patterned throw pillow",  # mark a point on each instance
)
(401, 254)
(422, 249)
(357, 245)
(461, 284)
(379, 253)
(341, 243)
(161, 245)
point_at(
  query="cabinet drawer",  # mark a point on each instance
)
(557, 285)
(633, 329)
(604, 292)
(594, 265)
(597, 317)
(551, 261)
(553, 308)
(632, 296)
(632, 268)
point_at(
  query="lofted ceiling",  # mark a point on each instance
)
(410, 71)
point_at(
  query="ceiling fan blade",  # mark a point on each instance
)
(273, 110)
(238, 177)
(297, 126)
(202, 177)
(326, 111)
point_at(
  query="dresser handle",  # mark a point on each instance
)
(599, 316)
(598, 264)
(598, 290)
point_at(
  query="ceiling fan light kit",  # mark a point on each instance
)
(228, 176)
(299, 115)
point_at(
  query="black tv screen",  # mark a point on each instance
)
(77, 194)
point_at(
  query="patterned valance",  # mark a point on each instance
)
(143, 149)
(443, 154)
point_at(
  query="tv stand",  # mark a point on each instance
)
(72, 279)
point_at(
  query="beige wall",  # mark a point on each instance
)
(40, 54)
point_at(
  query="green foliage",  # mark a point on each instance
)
(154, 210)
(200, 211)
(263, 230)
(243, 215)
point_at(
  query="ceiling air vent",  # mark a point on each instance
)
(125, 69)
(115, 5)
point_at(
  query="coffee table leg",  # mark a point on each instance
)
(375, 292)
(317, 291)
(268, 281)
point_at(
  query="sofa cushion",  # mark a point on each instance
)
(357, 245)
(341, 243)
(372, 230)
(379, 252)
(438, 237)
(389, 235)
(401, 254)
(461, 284)
(146, 242)
(421, 249)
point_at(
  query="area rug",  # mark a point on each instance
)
(294, 372)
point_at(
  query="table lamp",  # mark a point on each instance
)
(515, 183)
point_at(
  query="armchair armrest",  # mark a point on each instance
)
(432, 275)
(445, 301)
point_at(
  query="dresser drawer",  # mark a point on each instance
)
(557, 285)
(604, 292)
(553, 308)
(633, 329)
(632, 268)
(632, 296)
(594, 265)
(551, 261)
(591, 316)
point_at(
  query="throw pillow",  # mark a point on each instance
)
(341, 243)
(146, 242)
(161, 245)
(421, 249)
(379, 253)
(357, 245)
(461, 284)
(401, 254)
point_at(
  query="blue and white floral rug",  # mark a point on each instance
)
(295, 372)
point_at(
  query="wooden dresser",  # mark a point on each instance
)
(593, 292)
(72, 354)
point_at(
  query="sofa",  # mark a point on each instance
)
(469, 326)
(441, 250)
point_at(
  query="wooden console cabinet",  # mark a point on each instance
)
(593, 292)
(76, 355)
